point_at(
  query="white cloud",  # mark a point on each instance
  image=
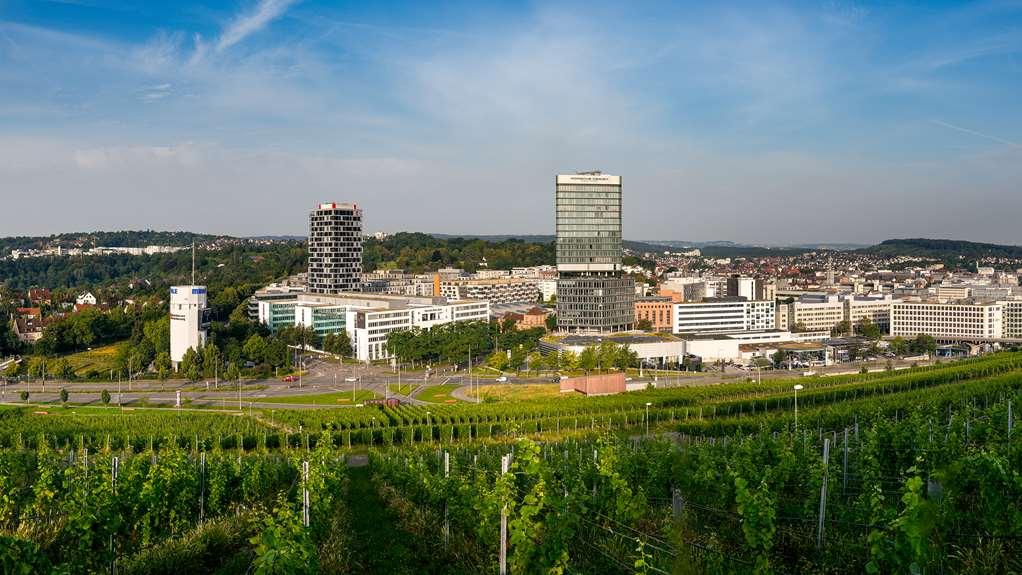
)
(251, 22)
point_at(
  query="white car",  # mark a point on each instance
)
(351, 379)
(502, 379)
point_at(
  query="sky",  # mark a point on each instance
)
(758, 122)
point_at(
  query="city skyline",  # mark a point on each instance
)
(781, 124)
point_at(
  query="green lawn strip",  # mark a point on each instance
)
(337, 397)
(438, 393)
(403, 389)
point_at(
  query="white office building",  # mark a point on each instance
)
(368, 318)
(944, 320)
(722, 316)
(189, 320)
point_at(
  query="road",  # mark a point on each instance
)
(326, 376)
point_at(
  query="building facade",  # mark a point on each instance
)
(948, 320)
(496, 291)
(189, 320)
(592, 293)
(656, 310)
(335, 248)
(728, 315)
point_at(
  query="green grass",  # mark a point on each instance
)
(403, 389)
(438, 393)
(520, 392)
(335, 398)
(102, 359)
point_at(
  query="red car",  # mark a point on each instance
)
(290, 379)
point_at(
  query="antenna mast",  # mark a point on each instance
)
(193, 262)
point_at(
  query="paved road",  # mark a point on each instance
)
(327, 376)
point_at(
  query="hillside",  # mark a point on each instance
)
(116, 239)
(943, 249)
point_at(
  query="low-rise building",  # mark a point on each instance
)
(722, 315)
(498, 290)
(658, 311)
(958, 320)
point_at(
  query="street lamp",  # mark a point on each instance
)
(798, 387)
(429, 423)
(647, 417)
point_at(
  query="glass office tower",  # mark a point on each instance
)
(592, 294)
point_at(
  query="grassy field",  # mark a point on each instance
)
(335, 398)
(438, 393)
(102, 359)
(403, 389)
(520, 392)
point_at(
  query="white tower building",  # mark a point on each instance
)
(189, 319)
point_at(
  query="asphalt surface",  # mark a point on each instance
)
(327, 376)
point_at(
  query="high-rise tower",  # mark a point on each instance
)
(335, 248)
(592, 294)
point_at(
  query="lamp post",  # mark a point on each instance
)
(647, 417)
(798, 387)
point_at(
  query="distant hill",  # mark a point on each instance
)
(943, 249)
(117, 239)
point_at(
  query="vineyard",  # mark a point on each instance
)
(916, 471)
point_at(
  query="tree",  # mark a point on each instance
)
(36, 366)
(233, 373)
(189, 364)
(498, 360)
(13, 369)
(799, 327)
(63, 370)
(551, 322)
(255, 348)
(899, 346)
(588, 360)
(105, 397)
(644, 325)
(63, 395)
(843, 327)
(867, 329)
(211, 360)
(24, 396)
(923, 343)
(162, 361)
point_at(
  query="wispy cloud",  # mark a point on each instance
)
(249, 23)
(975, 133)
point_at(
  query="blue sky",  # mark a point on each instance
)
(756, 122)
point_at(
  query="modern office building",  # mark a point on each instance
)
(722, 315)
(368, 318)
(943, 320)
(875, 309)
(1012, 312)
(739, 286)
(497, 291)
(335, 248)
(277, 313)
(189, 320)
(592, 294)
(812, 312)
(322, 318)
